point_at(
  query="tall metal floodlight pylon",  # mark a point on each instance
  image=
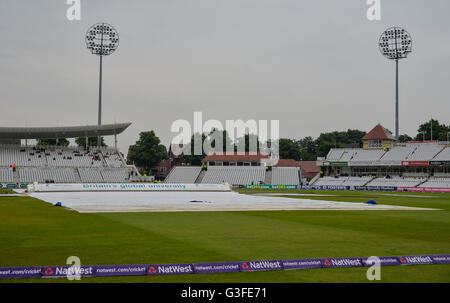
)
(395, 43)
(101, 39)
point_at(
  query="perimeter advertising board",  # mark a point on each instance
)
(73, 187)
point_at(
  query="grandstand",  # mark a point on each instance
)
(234, 175)
(25, 164)
(436, 182)
(285, 175)
(366, 154)
(183, 174)
(397, 181)
(444, 155)
(56, 164)
(383, 163)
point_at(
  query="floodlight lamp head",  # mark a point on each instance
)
(102, 39)
(395, 43)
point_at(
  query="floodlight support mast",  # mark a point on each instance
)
(396, 101)
(102, 40)
(395, 43)
(100, 92)
(100, 100)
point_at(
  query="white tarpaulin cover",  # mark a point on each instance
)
(191, 201)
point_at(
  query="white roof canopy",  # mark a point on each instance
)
(62, 132)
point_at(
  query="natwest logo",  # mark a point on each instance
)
(416, 260)
(49, 271)
(343, 262)
(262, 265)
(170, 269)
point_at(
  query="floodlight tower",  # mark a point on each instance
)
(395, 43)
(101, 39)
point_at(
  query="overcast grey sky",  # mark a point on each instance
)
(313, 65)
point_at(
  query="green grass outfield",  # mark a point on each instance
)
(35, 233)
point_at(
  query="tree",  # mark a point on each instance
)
(288, 149)
(308, 149)
(439, 131)
(212, 144)
(148, 151)
(52, 142)
(189, 152)
(404, 138)
(92, 141)
(336, 139)
(248, 143)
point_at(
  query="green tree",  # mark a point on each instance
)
(243, 143)
(288, 149)
(189, 152)
(325, 142)
(218, 146)
(148, 151)
(308, 149)
(92, 141)
(439, 131)
(336, 139)
(52, 142)
(404, 138)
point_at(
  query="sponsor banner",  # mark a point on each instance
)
(440, 163)
(424, 141)
(64, 271)
(379, 188)
(302, 263)
(20, 272)
(335, 187)
(309, 187)
(331, 163)
(436, 190)
(384, 261)
(261, 265)
(206, 268)
(388, 163)
(404, 188)
(74, 187)
(440, 259)
(170, 269)
(319, 187)
(121, 270)
(268, 186)
(218, 267)
(375, 163)
(342, 262)
(326, 187)
(415, 163)
(412, 260)
(362, 163)
(424, 189)
(360, 187)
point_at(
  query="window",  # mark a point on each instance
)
(375, 143)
